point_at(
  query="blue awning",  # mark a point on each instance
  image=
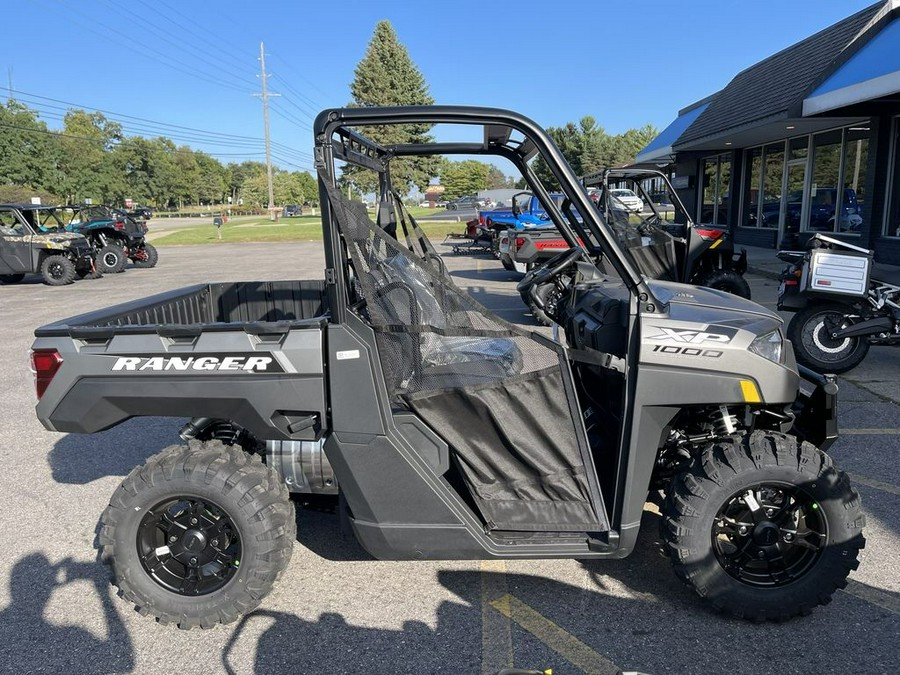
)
(872, 72)
(660, 148)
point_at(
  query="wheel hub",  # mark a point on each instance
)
(769, 534)
(823, 337)
(194, 541)
(189, 546)
(766, 533)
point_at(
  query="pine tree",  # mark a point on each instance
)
(387, 76)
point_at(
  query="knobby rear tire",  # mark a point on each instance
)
(252, 496)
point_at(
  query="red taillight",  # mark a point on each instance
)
(791, 282)
(520, 242)
(44, 364)
(481, 219)
(709, 233)
(120, 224)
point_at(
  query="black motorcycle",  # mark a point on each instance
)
(843, 301)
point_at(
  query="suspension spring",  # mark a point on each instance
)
(724, 422)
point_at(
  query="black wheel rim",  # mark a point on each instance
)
(769, 535)
(817, 337)
(56, 270)
(189, 546)
(110, 259)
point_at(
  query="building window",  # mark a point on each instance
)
(799, 147)
(823, 191)
(892, 221)
(837, 189)
(762, 186)
(716, 186)
(856, 160)
(773, 172)
(752, 187)
(834, 163)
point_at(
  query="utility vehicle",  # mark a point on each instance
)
(115, 236)
(446, 432)
(29, 244)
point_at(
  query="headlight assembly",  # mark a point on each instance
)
(769, 346)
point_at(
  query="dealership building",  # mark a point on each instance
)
(807, 140)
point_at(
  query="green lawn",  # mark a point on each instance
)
(306, 228)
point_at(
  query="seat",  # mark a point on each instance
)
(431, 334)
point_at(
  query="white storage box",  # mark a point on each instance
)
(843, 273)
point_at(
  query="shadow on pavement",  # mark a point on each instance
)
(331, 645)
(77, 459)
(29, 643)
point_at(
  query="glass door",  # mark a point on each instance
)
(794, 202)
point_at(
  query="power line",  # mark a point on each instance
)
(309, 110)
(100, 141)
(163, 35)
(217, 48)
(291, 118)
(139, 47)
(304, 78)
(163, 127)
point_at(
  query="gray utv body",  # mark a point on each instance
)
(449, 433)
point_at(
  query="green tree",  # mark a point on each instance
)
(497, 179)
(28, 150)
(85, 143)
(239, 175)
(588, 148)
(147, 169)
(255, 190)
(387, 76)
(209, 186)
(464, 178)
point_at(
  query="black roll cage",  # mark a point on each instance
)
(637, 174)
(336, 138)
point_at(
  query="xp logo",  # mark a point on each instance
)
(694, 337)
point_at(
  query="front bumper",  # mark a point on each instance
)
(815, 409)
(83, 258)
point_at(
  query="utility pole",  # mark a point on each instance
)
(265, 100)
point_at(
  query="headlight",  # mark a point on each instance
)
(769, 346)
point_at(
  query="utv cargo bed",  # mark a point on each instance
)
(224, 306)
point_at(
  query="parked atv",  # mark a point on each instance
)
(27, 246)
(662, 239)
(844, 303)
(448, 433)
(115, 236)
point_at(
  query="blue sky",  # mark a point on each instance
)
(193, 64)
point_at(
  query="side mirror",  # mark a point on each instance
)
(516, 211)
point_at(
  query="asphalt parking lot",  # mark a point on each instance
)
(336, 610)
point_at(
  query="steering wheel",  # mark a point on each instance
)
(549, 270)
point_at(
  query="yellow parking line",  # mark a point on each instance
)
(872, 483)
(496, 632)
(566, 645)
(873, 595)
